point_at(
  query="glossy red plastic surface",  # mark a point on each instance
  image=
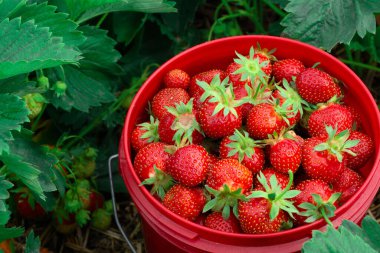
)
(167, 232)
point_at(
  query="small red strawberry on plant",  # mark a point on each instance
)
(189, 165)
(216, 221)
(244, 149)
(323, 157)
(145, 133)
(267, 211)
(348, 183)
(180, 125)
(285, 151)
(227, 181)
(330, 114)
(219, 116)
(252, 69)
(363, 150)
(177, 78)
(315, 201)
(168, 97)
(27, 206)
(316, 86)
(287, 69)
(184, 201)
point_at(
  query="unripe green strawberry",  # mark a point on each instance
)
(34, 102)
(102, 217)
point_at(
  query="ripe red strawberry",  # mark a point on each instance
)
(207, 76)
(323, 157)
(180, 125)
(184, 201)
(243, 148)
(287, 69)
(27, 206)
(252, 69)
(145, 133)
(153, 154)
(291, 101)
(329, 115)
(254, 217)
(168, 97)
(363, 150)
(282, 179)
(247, 97)
(227, 181)
(219, 116)
(316, 86)
(348, 183)
(315, 201)
(177, 78)
(285, 152)
(264, 120)
(216, 221)
(188, 165)
(267, 211)
(356, 117)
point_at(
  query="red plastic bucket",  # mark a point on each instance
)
(167, 232)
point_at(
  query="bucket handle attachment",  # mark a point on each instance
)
(114, 203)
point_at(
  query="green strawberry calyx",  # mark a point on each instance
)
(321, 209)
(255, 96)
(150, 130)
(278, 197)
(337, 144)
(185, 122)
(251, 68)
(224, 200)
(161, 182)
(242, 144)
(221, 93)
(292, 99)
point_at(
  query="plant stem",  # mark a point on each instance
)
(360, 65)
(37, 120)
(287, 188)
(277, 10)
(328, 221)
(101, 20)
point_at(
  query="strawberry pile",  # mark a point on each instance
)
(261, 146)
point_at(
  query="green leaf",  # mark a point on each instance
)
(44, 15)
(84, 90)
(98, 51)
(33, 243)
(10, 6)
(325, 23)
(4, 217)
(338, 241)
(41, 51)
(13, 113)
(85, 10)
(127, 25)
(18, 85)
(281, 3)
(370, 232)
(49, 178)
(8, 233)
(26, 172)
